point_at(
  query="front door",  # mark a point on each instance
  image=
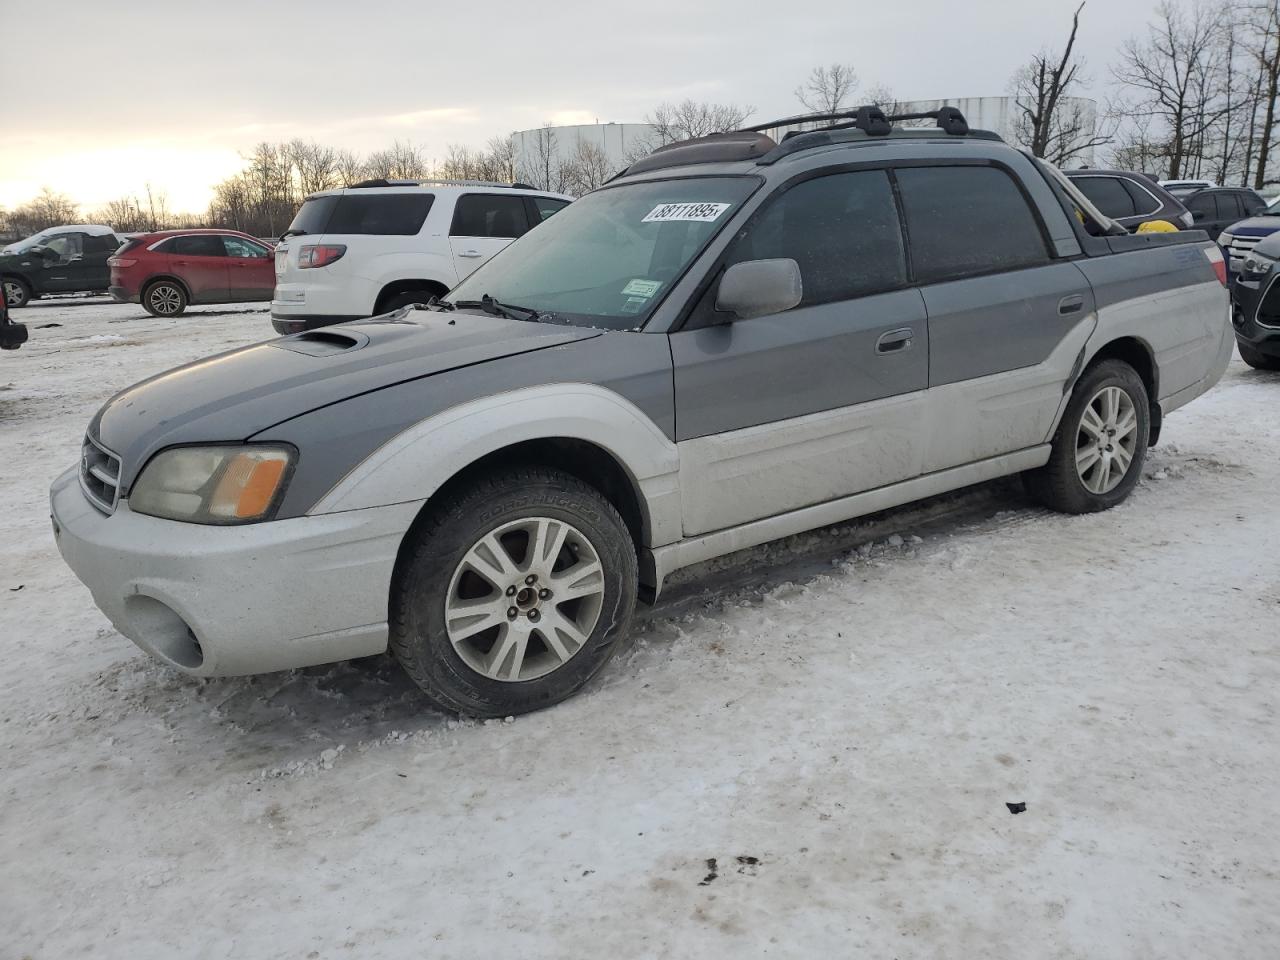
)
(61, 265)
(824, 400)
(251, 272)
(1006, 322)
(484, 223)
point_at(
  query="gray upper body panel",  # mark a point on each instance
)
(334, 439)
(232, 396)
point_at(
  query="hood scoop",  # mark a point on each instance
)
(322, 342)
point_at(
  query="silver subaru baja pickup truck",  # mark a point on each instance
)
(733, 341)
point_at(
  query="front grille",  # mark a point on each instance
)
(1240, 246)
(99, 475)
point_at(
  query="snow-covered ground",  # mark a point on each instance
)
(807, 753)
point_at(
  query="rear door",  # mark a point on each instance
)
(251, 269)
(96, 250)
(484, 223)
(1006, 321)
(821, 401)
(200, 261)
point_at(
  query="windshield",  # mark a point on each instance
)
(607, 259)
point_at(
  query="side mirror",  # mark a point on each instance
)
(43, 252)
(756, 288)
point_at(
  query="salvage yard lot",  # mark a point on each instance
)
(807, 752)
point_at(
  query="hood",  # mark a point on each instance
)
(230, 397)
(1255, 227)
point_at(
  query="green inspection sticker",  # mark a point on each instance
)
(641, 288)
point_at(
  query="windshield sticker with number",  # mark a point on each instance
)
(699, 212)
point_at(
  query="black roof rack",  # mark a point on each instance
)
(753, 143)
(436, 181)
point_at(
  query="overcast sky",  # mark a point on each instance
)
(173, 91)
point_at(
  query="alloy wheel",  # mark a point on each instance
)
(165, 299)
(14, 295)
(1106, 440)
(524, 599)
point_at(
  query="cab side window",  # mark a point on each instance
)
(968, 221)
(841, 229)
(1202, 207)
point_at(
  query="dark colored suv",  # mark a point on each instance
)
(1255, 301)
(1130, 199)
(70, 262)
(1216, 209)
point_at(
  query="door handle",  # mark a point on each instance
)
(470, 254)
(895, 341)
(1069, 305)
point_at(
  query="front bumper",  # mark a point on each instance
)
(1246, 300)
(224, 601)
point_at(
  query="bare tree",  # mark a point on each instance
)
(1051, 121)
(828, 88)
(589, 167)
(1262, 25)
(402, 161)
(315, 168)
(348, 167)
(500, 159)
(1176, 76)
(689, 119)
(543, 166)
(47, 209)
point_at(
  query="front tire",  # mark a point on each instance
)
(513, 593)
(17, 293)
(1100, 445)
(164, 298)
(1257, 359)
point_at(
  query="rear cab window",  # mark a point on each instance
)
(967, 221)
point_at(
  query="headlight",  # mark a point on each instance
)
(1256, 266)
(1224, 239)
(222, 485)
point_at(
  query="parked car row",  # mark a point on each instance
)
(733, 341)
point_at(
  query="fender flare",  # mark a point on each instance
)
(418, 461)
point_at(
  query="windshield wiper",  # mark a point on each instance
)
(492, 306)
(293, 233)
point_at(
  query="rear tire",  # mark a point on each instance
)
(1100, 445)
(488, 624)
(164, 298)
(17, 293)
(406, 299)
(1256, 359)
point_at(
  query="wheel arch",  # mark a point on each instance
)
(162, 277)
(583, 459)
(1138, 354)
(397, 287)
(586, 430)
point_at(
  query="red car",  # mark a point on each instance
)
(166, 271)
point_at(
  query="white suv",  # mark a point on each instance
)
(381, 244)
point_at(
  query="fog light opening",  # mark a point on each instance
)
(158, 627)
